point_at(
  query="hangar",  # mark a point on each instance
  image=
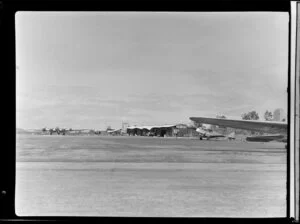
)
(169, 130)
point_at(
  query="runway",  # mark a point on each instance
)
(144, 176)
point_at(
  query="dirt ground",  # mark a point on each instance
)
(144, 176)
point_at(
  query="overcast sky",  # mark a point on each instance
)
(91, 70)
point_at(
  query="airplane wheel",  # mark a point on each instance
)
(200, 138)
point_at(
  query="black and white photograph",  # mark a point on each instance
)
(151, 114)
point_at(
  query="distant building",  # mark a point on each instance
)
(124, 127)
(179, 130)
(86, 132)
(279, 115)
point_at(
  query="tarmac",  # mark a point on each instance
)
(146, 177)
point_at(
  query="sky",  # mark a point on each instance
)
(99, 69)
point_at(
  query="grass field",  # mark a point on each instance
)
(144, 176)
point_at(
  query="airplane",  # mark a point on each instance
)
(59, 131)
(277, 130)
(114, 131)
(267, 138)
(231, 136)
(207, 133)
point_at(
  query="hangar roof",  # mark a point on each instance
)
(150, 127)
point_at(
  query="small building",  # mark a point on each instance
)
(114, 132)
(125, 125)
(279, 115)
(86, 132)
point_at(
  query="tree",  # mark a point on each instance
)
(44, 129)
(221, 116)
(268, 116)
(63, 131)
(57, 130)
(252, 115)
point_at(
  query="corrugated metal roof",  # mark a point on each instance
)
(132, 127)
(150, 127)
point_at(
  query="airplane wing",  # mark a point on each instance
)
(264, 126)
